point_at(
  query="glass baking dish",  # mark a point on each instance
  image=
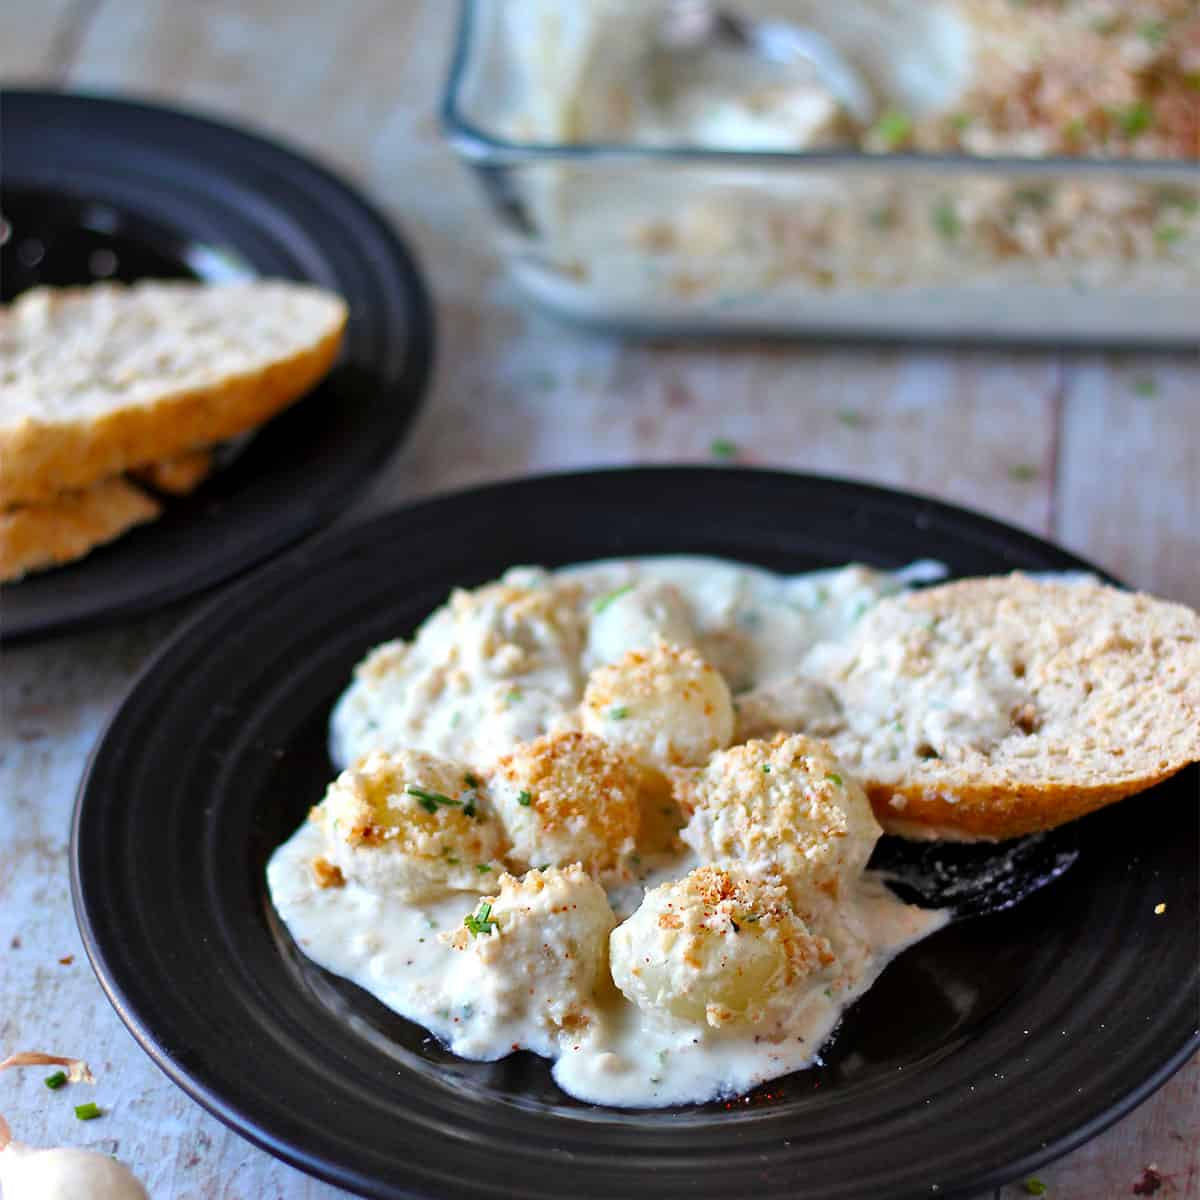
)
(675, 239)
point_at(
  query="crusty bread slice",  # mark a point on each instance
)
(991, 708)
(36, 536)
(98, 380)
(176, 476)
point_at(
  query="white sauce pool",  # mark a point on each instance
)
(755, 626)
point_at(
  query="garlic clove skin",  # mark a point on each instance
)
(27, 1173)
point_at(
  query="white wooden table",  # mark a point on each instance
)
(1100, 452)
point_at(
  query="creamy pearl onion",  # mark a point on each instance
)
(567, 797)
(665, 707)
(539, 948)
(410, 824)
(632, 617)
(716, 947)
(780, 807)
(65, 1174)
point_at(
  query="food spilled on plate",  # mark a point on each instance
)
(621, 814)
(114, 397)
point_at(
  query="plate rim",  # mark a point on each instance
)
(343, 1176)
(410, 386)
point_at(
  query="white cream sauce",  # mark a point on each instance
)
(458, 677)
(391, 948)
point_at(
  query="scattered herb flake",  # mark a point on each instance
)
(1154, 32)
(619, 712)
(430, 800)
(602, 602)
(483, 868)
(471, 779)
(722, 448)
(1022, 472)
(515, 696)
(89, 1111)
(834, 778)
(851, 418)
(893, 128)
(961, 120)
(945, 218)
(1034, 1187)
(766, 768)
(1168, 235)
(1145, 385)
(524, 799)
(469, 808)
(55, 1081)
(1135, 119)
(481, 920)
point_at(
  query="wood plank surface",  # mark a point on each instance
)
(1074, 446)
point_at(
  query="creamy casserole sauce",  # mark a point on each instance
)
(737, 928)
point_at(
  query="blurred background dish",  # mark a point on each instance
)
(1026, 173)
(99, 188)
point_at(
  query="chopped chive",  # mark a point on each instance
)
(55, 1081)
(469, 808)
(751, 918)
(483, 868)
(515, 696)
(618, 712)
(1145, 385)
(893, 128)
(766, 768)
(722, 448)
(1034, 1187)
(1022, 472)
(524, 799)
(1154, 32)
(961, 120)
(471, 780)
(481, 920)
(430, 800)
(851, 418)
(87, 1112)
(834, 778)
(1135, 119)
(1168, 235)
(602, 602)
(945, 218)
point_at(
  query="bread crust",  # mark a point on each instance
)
(37, 536)
(40, 458)
(1113, 678)
(176, 476)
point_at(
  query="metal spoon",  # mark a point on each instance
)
(689, 25)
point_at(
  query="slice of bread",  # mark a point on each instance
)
(996, 707)
(99, 380)
(176, 476)
(36, 536)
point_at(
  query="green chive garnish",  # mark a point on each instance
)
(893, 127)
(945, 218)
(602, 602)
(834, 778)
(480, 921)
(430, 800)
(87, 1112)
(1034, 1187)
(1135, 119)
(766, 768)
(524, 799)
(618, 712)
(483, 868)
(1022, 472)
(471, 780)
(55, 1081)
(722, 448)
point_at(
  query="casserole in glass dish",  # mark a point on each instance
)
(1021, 171)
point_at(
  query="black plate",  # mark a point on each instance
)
(103, 188)
(993, 1046)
